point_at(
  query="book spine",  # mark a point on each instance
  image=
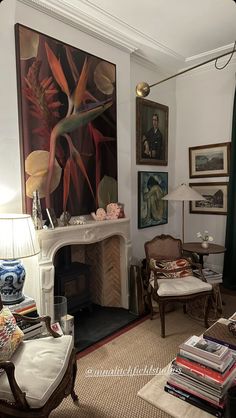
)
(205, 397)
(32, 333)
(202, 370)
(202, 360)
(196, 390)
(216, 340)
(193, 400)
(23, 326)
(209, 380)
(202, 354)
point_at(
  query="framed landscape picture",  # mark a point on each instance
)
(216, 196)
(209, 160)
(68, 126)
(152, 187)
(151, 132)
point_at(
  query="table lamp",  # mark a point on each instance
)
(183, 193)
(17, 240)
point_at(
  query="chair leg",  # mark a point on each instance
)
(73, 394)
(149, 299)
(207, 310)
(162, 316)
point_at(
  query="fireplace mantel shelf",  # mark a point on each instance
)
(50, 240)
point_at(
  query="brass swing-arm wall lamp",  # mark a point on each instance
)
(143, 88)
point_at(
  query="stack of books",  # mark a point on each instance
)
(211, 276)
(201, 374)
(27, 308)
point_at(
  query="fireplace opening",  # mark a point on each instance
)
(89, 276)
(72, 280)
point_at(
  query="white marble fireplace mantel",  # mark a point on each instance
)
(40, 271)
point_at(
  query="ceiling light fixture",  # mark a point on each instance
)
(143, 88)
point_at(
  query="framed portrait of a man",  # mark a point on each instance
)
(151, 132)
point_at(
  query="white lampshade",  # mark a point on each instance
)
(17, 237)
(184, 193)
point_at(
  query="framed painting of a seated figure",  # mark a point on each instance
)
(151, 132)
(152, 209)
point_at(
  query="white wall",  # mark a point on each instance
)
(164, 94)
(204, 102)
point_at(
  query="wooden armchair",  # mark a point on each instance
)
(170, 277)
(40, 373)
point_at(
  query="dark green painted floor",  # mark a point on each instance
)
(91, 327)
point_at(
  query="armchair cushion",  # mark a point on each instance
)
(181, 287)
(40, 365)
(171, 269)
(10, 334)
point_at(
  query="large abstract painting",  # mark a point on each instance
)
(67, 118)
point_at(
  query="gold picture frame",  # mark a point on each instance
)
(151, 132)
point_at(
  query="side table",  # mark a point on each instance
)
(195, 247)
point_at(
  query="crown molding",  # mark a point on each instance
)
(82, 21)
(210, 54)
(96, 22)
(130, 31)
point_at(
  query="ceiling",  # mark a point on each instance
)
(168, 33)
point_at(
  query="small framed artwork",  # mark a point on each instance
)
(152, 210)
(52, 217)
(216, 196)
(151, 132)
(209, 160)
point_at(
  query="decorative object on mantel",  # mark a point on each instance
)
(113, 211)
(206, 238)
(17, 240)
(65, 218)
(37, 211)
(107, 191)
(77, 220)
(52, 217)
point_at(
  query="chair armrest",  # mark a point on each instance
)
(19, 396)
(46, 319)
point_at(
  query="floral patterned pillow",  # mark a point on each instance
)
(176, 269)
(10, 334)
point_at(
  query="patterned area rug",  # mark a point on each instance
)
(138, 353)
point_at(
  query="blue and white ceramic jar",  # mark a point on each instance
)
(12, 277)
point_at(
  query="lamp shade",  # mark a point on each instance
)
(17, 237)
(184, 193)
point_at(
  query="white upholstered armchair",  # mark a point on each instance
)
(35, 374)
